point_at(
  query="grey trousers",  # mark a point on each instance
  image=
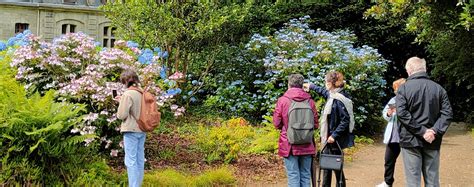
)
(421, 160)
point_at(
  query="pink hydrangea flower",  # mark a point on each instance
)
(114, 153)
(176, 76)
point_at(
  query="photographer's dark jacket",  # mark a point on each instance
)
(422, 104)
(338, 120)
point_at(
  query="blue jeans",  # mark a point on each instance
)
(298, 169)
(134, 143)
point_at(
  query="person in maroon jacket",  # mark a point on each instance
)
(297, 158)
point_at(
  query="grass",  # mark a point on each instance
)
(172, 178)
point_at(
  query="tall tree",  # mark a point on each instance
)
(445, 26)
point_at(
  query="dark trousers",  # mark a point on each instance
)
(391, 154)
(327, 174)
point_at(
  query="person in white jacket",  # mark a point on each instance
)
(391, 137)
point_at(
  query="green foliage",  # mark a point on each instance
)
(225, 142)
(180, 27)
(444, 26)
(167, 177)
(453, 58)
(166, 154)
(363, 140)
(216, 177)
(98, 174)
(296, 48)
(266, 138)
(36, 144)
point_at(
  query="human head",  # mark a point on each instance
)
(295, 81)
(334, 79)
(415, 65)
(397, 84)
(129, 78)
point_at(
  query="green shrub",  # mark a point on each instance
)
(363, 140)
(296, 48)
(217, 177)
(225, 142)
(267, 138)
(36, 145)
(169, 177)
(99, 174)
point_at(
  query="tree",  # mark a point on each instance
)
(445, 27)
(179, 27)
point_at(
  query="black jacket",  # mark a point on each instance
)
(421, 105)
(338, 120)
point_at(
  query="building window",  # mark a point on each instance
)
(109, 36)
(20, 27)
(106, 1)
(68, 28)
(69, 1)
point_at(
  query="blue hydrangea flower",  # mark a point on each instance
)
(173, 91)
(163, 73)
(146, 57)
(132, 44)
(3, 46)
(11, 41)
(157, 49)
(258, 82)
(237, 82)
(165, 54)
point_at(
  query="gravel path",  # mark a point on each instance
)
(457, 163)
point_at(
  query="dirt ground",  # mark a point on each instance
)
(457, 163)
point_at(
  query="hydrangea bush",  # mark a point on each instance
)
(298, 49)
(83, 72)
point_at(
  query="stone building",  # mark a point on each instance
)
(51, 18)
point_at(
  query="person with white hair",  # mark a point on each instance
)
(424, 113)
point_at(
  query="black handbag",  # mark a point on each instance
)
(329, 161)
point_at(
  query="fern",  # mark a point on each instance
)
(36, 144)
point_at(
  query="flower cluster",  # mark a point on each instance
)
(298, 49)
(83, 72)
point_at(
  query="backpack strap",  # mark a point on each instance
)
(136, 89)
(139, 91)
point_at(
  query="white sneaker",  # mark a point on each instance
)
(383, 184)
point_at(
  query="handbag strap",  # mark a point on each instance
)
(338, 146)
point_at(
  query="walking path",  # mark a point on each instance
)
(457, 163)
(456, 169)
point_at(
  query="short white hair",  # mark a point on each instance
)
(415, 64)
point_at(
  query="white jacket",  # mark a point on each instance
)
(392, 123)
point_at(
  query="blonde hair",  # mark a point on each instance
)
(415, 64)
(397, 84)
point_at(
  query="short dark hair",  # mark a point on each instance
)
(129, 78)
(295, 81)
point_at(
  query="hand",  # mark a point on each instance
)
(117, 98)
(390, 111)
(306, 87)
(429, 135)
(331, 139)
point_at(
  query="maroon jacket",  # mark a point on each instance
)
(280, 120)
